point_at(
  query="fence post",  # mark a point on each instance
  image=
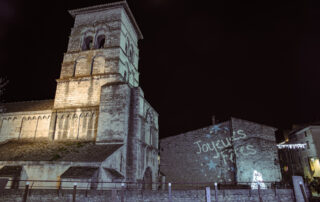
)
(26, 190)
(114, 195)
(74, 192)
(58, 191)
(216, 191)
(169, 189)
(208, 194)
(163, 183)
(303, 192)
(122, 192)
(260, 199)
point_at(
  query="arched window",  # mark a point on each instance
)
(130, 54)
(98, 64)
(80, 67)
(127, 46)
(125, 76)
(147, 179)
(148, 128)
(101, 39)
(87, 43)
(74, 69)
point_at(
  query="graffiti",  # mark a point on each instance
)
(222, 148)
(220, 144)
(257, 181)
(211, 165)
(215, 129)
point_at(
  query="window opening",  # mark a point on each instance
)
(101, 41)
(74, 69)
(126, 48)
(91, 68)
(87, 43)
(131, 56)
(125, 76)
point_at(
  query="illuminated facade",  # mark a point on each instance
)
(235, 151)
(302, 161)
(98, 102)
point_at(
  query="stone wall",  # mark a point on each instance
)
(45, 173)
(125, 116)
(285, 195)
(67, 124)
(90, 62)
(24, 125)
(256, 152)
(143, 139)
(229, 152)
(83, 72)
(114, 113)
(83, 92)
(76, 124)
(200, 154)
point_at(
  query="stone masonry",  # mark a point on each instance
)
(97, 100)
(235, 151)
(279, 195)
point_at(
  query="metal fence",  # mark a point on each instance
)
(86, 186)
(102, 185)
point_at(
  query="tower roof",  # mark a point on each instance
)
(107, 6)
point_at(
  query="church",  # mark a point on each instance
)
(99, 127)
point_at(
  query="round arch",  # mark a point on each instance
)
(87, 40)
(147, 179)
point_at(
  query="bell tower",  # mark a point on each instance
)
(102, 49)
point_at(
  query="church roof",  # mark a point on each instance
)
(73, 151)
(114, 173)
(80, 172)
(106, 6)
(27, 106)
(10, 171)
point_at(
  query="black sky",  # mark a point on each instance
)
(256, 60)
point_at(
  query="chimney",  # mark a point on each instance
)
(213, 120)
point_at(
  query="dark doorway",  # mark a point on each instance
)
(147, 179)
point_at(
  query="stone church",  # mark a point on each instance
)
(99, 127)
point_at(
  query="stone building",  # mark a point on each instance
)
(234, 151)
(99, 126)
(302, 161)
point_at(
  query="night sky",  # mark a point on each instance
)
(256, 60)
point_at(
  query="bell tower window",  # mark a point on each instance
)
(87, 43)
(101, 39)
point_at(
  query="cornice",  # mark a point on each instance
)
(102, 7)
